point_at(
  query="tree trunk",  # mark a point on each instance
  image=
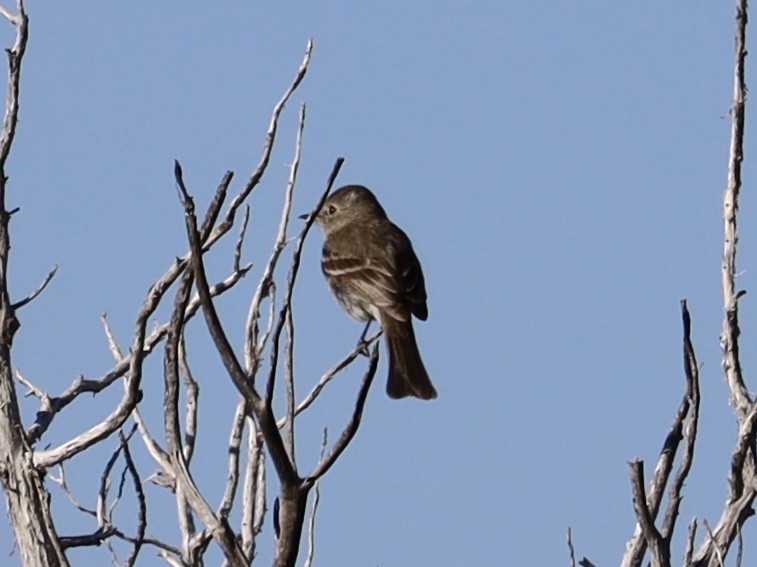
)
(26, 497)
(293, 502)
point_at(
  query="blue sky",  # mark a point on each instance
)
(559, 169)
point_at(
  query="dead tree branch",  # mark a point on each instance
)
(741, 480)
(25, 494)
(647, 502)
(294, 490)
(23, 468)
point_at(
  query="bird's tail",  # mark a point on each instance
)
(407, 375)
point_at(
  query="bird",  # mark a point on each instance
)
(375, 275)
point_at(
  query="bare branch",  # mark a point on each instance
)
(658, 546)
(240, 239)
(103, 517)
(331, 373)
(684, 426)
(284, 466)
(718, 559)
(156, 452)
(15, 55)
(571, 550)
(12, 18)
(314, 509)
(289, 354)
(36, 292)
(729, 340)
(254, 490)
(171, 401)
(741, 479)
(171, 366)
(689, 551)
(25, 493)
(228, 221)
(132, 395)
(218, 527)
(94, 539)
(259, 486)
(192, 396)
(735, 513)
(115, 348)
(61, 481)
(253, 345)
(172, 561)
(689, 404)
(235, 442)
(174, 461)
(214, 209)
(142, 505)
(33, 390)
(54, 405)
(278, 247)
(350, 429)
(291, 278)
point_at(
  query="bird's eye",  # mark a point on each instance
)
(332, 210)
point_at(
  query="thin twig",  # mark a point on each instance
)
(232, 467)
(240, 239)
(314, 509)
(115, 348)
(331, 373)
(12, 18)
(289, 323)
(689, 551)
(684, 427)
(33, 390)
(291, 278)
(253, 344)
(141, 501)
(254, 491)
(214, 209)
(192, 396)
(61, 481)
(171, 402)
(263, 411)
(171, 366)
(718, 554)
(36, 292)
(228, 220)
(15, 55)
(690, 406)
(170, 559)
(50, 407)
(259, 490)
(103, 518)
(351, 428)
(571, 550)
(132, 395)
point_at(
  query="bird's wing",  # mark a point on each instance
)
(386, 273)
(408, 274)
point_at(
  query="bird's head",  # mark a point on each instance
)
(347, 205)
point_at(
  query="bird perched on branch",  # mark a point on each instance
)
(374, 274)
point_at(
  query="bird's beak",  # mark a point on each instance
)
(304, 217)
